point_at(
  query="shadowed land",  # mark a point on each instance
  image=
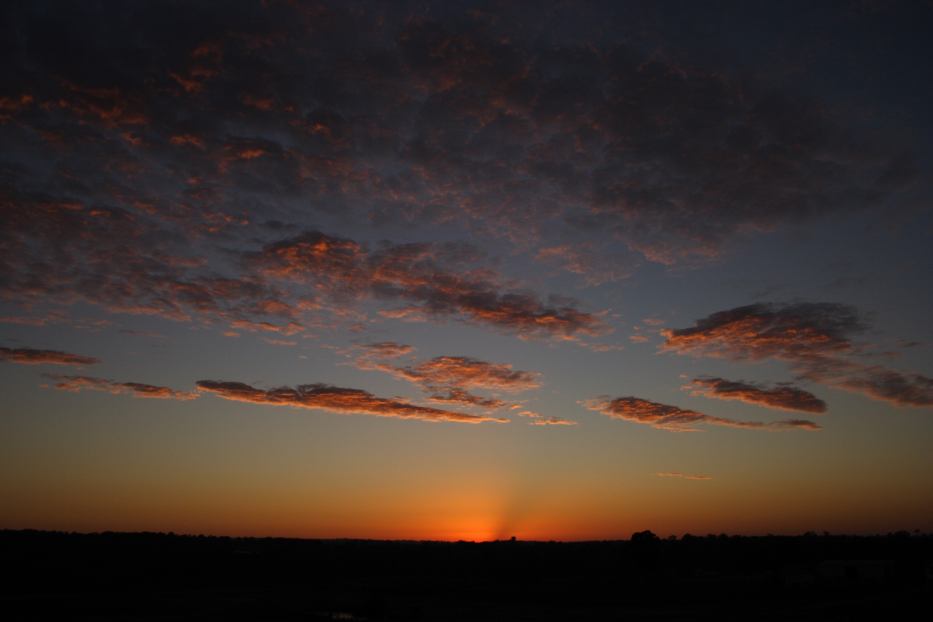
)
(151, 576)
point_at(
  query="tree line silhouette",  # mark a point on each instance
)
(149, 576)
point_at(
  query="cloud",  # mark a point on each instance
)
(596, 267)
(448, 378)
(891, 386)
(539, 419)
(77, 384)
(461, 397)
(679, 475)
(874, 381)
(815, 339)
(784, 397)
(387, 349)
(547, 421)
(338, 400)
(673, 418)
(30, 356)
(769, 330)
(466, 372)
(125, 170)
(432, 278)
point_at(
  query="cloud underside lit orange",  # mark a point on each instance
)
(675, 419)
(337, 400)
(679, 475)
(435, 279)
(816, 339)
(782, 397)
(30, 356)
(76, 384)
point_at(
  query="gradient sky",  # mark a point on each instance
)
(558, 270)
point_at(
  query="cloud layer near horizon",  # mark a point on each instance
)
(679, 475)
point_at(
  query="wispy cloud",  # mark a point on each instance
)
(762, 331)
(338, 400)
(30, 356)
(676, 419)
(467, 372)
(170, 160)
(815, 339)
(386, 350)
(783, 396)
(547, 421)
(77, 384)
(877, 382)
(679, 475)
(461, 397)
(539, 419)
(434, 279)
(448, 379)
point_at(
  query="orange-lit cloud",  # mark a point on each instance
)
(679, 475)
(673, 418)
(583, 259)
(539, 419)
(814, 338)
(77, 384)
(463, 371)
(545, 421)
(387, 349)
(338, 400)
(762, 331)
(874, 381)
(30, 356)
(433, 277)
(461, 397)
(449, 378)
(784, 397)
(289, 328)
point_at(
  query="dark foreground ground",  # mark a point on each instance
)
(114, 576)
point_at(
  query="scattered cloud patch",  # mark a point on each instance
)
(30, 356)
(435, 279)
(676, 419)
(337, 400)
(782, 396)
(815, 339)
(76, 384)
(679, 475)
(760, 331)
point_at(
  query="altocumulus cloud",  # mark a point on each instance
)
(676, 419)
(338, 400)
(77, 384)
(759, 331)
(433, 279)
(31, 356)
(815, 339)
(166, 133)
(783, 397)
(449, 379)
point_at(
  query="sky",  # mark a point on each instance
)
(466, 270)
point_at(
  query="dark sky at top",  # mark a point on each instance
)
(582, 216)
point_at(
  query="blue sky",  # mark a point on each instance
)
(466, 270)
